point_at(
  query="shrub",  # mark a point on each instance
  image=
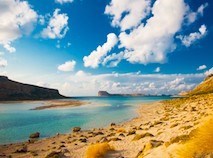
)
(98, 150)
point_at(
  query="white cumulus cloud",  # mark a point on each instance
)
(202, 67)
(128, 13)
(64, 1)
(113, 60)
(150, 42)
(149, 29)
(193, 16)
(193, 37)
(67, 66)
(9, 48)
(57, 27)
(17, 19)
(3, 62)
(97, 56)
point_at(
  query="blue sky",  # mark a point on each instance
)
(82, 46)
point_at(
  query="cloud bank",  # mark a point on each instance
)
(129, 83)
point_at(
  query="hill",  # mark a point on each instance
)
(15, 91)
(205, 87)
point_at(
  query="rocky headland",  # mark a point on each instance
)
(15, 91)
(106, 94)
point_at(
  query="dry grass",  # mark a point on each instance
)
(98, 150)
(201, 143)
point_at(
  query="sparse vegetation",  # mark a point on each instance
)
(98, 150)
(200, 143)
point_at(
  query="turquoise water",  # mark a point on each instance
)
(17, 121)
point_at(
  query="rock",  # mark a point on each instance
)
(100, 133)
(113, 124)
(131, 132)
(103, 140)
(34, 135)
(122, 135)
(22, 149)
(83, 140)
(156, 143)
(111, 129)
(64, 151)
(76, 129)
(53, 154)
(150, 145)
(62, 146)
(115, 139)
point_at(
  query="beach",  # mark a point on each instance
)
(158, 123)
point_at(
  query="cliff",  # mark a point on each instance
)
(106, 94)
(15, 91)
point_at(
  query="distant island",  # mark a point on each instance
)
(15, 91)
(106, 94)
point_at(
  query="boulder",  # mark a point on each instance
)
(22, 149)
(76, 129)
(112, 124)
(34, 135)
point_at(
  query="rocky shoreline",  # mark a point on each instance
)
(159, 127)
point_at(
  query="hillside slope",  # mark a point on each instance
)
(205, 87)
(14, 91)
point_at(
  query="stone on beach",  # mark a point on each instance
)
(34, 135)
(76, 129)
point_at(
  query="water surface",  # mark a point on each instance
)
(17, 121)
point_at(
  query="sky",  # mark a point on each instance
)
(121, 46)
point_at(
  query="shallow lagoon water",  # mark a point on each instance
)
(17, 121)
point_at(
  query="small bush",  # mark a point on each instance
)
(98, 150)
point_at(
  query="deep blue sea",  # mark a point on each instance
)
(17, 121)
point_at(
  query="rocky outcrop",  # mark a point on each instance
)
(106, 94)
(15, 91)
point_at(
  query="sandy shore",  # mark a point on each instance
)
(159, 125)
(60, 104)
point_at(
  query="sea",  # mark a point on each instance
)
(18, 121)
